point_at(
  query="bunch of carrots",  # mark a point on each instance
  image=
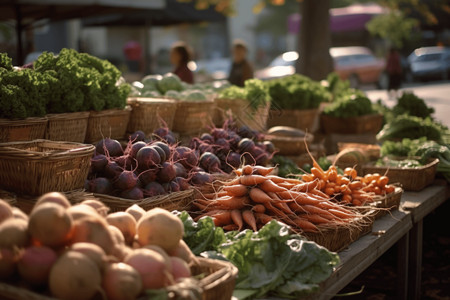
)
(348, 188)
(255, 197)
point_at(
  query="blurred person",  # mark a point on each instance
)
(180, 56)
(133, 54)
(394, 71)
(241, 69)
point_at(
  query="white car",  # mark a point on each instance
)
(429, 63)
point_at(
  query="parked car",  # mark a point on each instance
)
(429, 63)
(357, 64)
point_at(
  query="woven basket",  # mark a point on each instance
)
(147, 113)
(110, 123)
(8, 197)
(371, 151)
(388, 202)
(303, 119)
(287, 145)
(242, 113)
(173, 201)
(217, 284)
(411, 179)
(338, 238)
(193, 117)
(70, 127)
(42, 166)
(22, 130)
(354, 125)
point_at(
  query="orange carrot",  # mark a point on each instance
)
(355, 185)
(227, 202)
(307, 177)
(305, 187)
(262, 218)
(269, 186)
(318, 211)
(249, 218)
(230, 227)
(211, 196)
(250, 180)
(236, 216)
(278, 179)
(305, 225)
(247, 170)
(259, 196)
(238, 190)
(315, 219)
(259, 208)
(264, 171)
(341, 214)
(286, 185)
(299, 197)
(383, 181)
(222, 219)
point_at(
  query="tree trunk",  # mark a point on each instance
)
(314, 39)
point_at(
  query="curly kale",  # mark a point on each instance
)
(412, 127)
(11, 102)
(352, 105)
(5, 62)
(412, 105)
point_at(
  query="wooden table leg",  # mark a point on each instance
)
(402, 267)
(415, 261)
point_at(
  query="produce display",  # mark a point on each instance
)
(350, 105)
(255, 92)
(80, 251)
(255, 197)
(406, 126)
(271, 262)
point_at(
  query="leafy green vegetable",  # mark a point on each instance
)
(5, 62)
(271, 261)
(254, 91)
(351, 105)
(412, 127)
(405, 147)
(286, 166)
(395, 163)
(169, 82)
(412, 105)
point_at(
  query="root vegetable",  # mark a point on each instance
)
(35, 264)
(53, 197)
(121, 282)
(74, 276)
(82, 210)
(93, 251)
(160, 227)
(99, 206)
(184, 252)
(109, 147)
(50, 224)
(93, 230)
(133, 194)
(136, 211)
(160, 251)
(117, 235)
(14, 233)
(5, 210)
(18, 214)
(125, 223)
(8, 259)
(153, 268)
(180, 268)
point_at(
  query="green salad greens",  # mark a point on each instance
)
(412, 127)
(286, 166)
(412, 105)
(255, 91)
(272, 261)
(352, 104)
(394, 163)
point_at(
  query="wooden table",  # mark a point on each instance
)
(404, 227)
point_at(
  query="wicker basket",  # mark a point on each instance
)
(110, 123)
(217, 284)
(354, 125)
(411, 179)
(22, 130)
(287, 145)
(388, 202)
(242, 113)
(193, 117)
(339, 237)
(147, 113)
(304, 119)
(70, 127)
(371, 151)
(173, 201)
(42, 166)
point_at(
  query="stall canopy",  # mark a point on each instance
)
(25, 13)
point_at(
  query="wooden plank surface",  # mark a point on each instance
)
(363, 252)
(420, 204)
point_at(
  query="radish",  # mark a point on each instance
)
(133, 194)
(148, 176)
(8, 260)
(207, 138)
(125, 223)
(93, 251)
(210, 162)
(93, 230)
(233, 159)
(121, 282)
(169, 138)
(201, 178)
(53, 197)
(125, 162)
(100, 185)
(136, 211)
(98, 163)
(135, 148)
(14, 233)
(167, 172)
(161, 152)
(82, 210)
(126, 180)
(223, 145)
(219, 133)
(18, 214)
(137, 136)
(182, 183)
(160, 227)
(180, 268)
(154, 189)
(35, 264)
(153, 268)
(117, 235)
(180, 170)
(185, 156)
(164, 147)
(109, 147)
(246, 145)
(74, 276)
(50, 224)
(99, 206)
(148, 157)
(5, 210)
(112, 169)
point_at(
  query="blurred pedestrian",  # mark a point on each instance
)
(180, 56)
(394, 71)
(241, 69)
(133, 55)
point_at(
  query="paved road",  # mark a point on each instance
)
(436, 95)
